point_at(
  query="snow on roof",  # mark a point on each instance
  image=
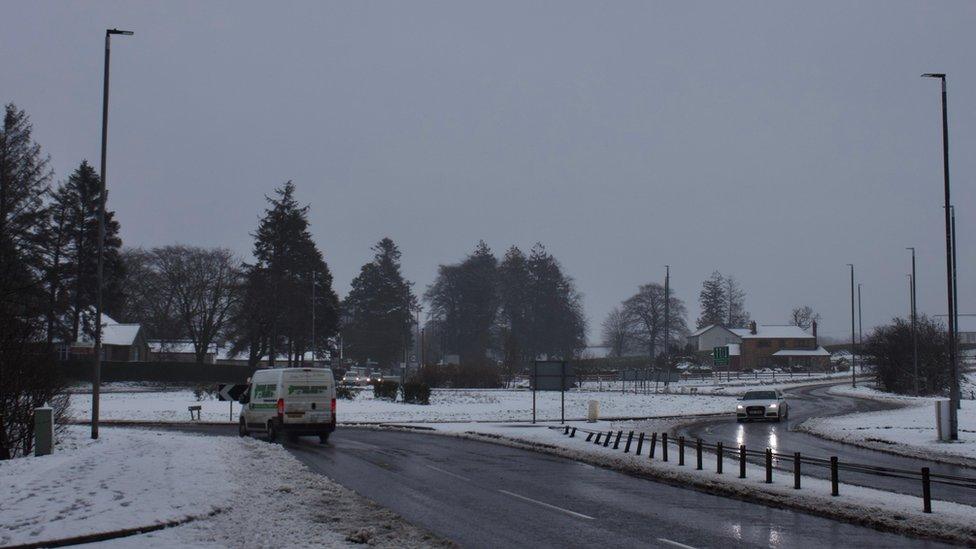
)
(176, 347)
(701, 331)
(771, 331)
(819, 351)
(119, 334)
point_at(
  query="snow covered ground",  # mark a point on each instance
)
(896, 512)
(446, 405)
(133, 478)
(909, 430)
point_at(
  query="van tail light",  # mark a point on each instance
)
(281, 407)
(333, 408)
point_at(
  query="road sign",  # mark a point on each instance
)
(720, 355)
(230, 392)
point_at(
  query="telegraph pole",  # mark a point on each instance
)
(853, 341)
(667, 315)
(100, 269)
(313, 320)
(950, 267)
(914, 313)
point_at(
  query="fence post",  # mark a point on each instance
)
(742, 461)
(598, 435)
(572, 433)
(718, 458)
(566, 431)
(616, 441)
(653, 444)
(769, 466)
(796, 471)
(698, 451)
(640, 442)
(630, 437)
(606, 441)
(664, 446)
(926, 491)
(681, 450)
(833, 476)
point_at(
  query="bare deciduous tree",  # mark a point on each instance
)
(616, 332)
(804, 316)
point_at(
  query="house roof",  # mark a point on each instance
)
(114, 333)
(819, 351)
(701, 331)
(773, 331)
(176, 347)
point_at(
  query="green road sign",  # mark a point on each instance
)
(720, 355)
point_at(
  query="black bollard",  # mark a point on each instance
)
(630, 437)
(640, 443)
(664, 446)
(742, 461)
(718, 457)
(681, 450)
(769, 466)
(796, 471)
(833, 477)
(698, 452)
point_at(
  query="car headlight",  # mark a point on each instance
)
(772, 405)
(740, 407)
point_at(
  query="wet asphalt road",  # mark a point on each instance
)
(816, 401)
(486, 495)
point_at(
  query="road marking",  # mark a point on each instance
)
(544, 504)
(448, 473)
(672, 543)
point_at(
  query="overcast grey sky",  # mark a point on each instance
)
(773, 141)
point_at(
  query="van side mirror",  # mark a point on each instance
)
(244, 398)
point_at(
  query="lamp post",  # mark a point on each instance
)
(950, 267)
(99, 270)
(860, 324)
(914, 314)
(667, 314)
(853, 341)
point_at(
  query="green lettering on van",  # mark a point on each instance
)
(307, 389)
(265, 391)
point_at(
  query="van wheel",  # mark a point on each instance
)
(324, 438)
(242, 429)
(272, 432)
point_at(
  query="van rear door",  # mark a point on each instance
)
(308, 395)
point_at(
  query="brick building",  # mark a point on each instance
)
(763, 346)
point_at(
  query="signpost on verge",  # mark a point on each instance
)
(230, 392)
(720, 357)
(551, 370)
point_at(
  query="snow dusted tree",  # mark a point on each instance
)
(804, 316)
(735, 303)
(378, 312)
(713, 302)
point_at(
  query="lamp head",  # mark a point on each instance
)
(934, 75)
(117, 31)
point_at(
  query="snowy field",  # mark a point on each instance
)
(132, 478)
(909, 430)
(445, 405)
(861, 505)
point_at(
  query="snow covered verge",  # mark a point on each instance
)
(898, 513)
(445, 405)
(226, 492)
(906, 431)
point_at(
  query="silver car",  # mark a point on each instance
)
(762, 405)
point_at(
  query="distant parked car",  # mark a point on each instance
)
(763, 405)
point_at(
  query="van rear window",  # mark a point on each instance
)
(307, 389)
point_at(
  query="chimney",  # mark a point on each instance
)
(752, 327)
(813, 327)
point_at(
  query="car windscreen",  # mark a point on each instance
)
(760, 395)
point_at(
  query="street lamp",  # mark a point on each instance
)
(853, 341)
(97, 373)
(950, 267)
(667, 315)
(914, 314)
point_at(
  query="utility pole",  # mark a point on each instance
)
(313, 320)
(950, 267)
(860, 325)
(667, 315)
(853, 341)
(914, 313)
(100, 269)
(955, 297)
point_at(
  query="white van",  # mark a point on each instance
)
(293, 401)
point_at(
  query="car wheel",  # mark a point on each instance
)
(324, 438)
(242, 429)
(272, 432)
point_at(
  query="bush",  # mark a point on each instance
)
(345, 392)
(205, 391)
(416, 393)
(889, 349)
(385, 390)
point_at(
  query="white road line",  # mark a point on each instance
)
(672, 543)
(448, 473)
(544, 504)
